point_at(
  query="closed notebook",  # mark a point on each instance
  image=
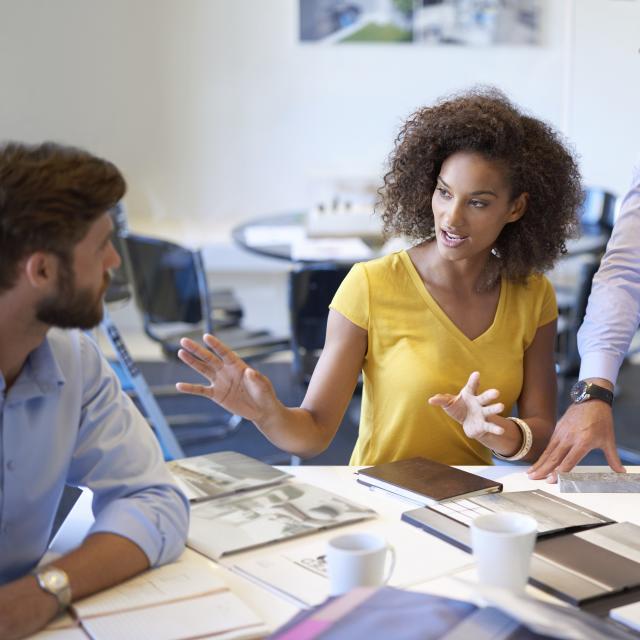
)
(426, 481)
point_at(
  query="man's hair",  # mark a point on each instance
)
(49, 197)
(532, 155)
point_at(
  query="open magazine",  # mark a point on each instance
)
(221, 474)
(241, 503)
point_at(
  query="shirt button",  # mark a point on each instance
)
(11, 465)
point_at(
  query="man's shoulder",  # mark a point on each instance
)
(69, 340)
(72, 348)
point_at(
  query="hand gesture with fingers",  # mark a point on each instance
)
(233, 385)
(471, 409)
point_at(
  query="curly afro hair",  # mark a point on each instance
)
(532, 154)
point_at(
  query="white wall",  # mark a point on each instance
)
(217, 114)
(604, 88)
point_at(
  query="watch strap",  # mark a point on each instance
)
(592, 391)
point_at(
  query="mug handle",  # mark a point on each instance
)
(392, 563)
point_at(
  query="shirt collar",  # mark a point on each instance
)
(40, 375)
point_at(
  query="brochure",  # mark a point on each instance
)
(239, 503)
(250, 519)
(221, 474)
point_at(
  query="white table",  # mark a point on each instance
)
(441, 560)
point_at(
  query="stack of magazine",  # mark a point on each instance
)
(239, 503)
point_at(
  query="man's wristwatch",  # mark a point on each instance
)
(56, 582)
(583, 391)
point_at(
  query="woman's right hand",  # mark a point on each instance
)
(233, 385)
(472, 409)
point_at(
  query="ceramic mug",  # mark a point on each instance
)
(502, 545)
(358, 560)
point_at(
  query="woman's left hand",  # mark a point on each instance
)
(472, 410)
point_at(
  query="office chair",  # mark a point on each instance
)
(311, 289)
(596, 216)
(171, 291)
(598, 211)
(569, 321)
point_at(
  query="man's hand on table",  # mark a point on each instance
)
(24, 608)
(581, 429)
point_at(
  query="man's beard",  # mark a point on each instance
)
(72, 308)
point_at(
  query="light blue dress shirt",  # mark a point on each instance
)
(613, 312)
(66, 420)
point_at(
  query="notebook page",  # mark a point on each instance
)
(174, 581)
(205, 615)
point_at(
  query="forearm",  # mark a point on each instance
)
(296, 430)
(509, 443)
(103, 560)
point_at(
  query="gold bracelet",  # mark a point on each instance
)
(527, 441)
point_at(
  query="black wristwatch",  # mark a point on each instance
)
(583, 391)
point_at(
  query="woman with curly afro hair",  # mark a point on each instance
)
(454, 332)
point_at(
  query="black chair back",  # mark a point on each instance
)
(567, 356)
(170, 286)
(167, 280)
(311, 289)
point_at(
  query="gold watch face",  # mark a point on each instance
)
(56, 582)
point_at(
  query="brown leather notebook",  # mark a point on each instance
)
(425, 481)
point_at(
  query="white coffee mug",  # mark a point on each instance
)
(358, 560)
(502, 545)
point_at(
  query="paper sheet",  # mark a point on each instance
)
(193, 618)
(299, 573)
(63, 627)
(174, 581)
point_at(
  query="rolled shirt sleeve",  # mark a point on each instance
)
(613, 311)
(118, 457)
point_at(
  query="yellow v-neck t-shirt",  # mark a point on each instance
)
(415, 351)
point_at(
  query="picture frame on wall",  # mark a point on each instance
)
(427, 22)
